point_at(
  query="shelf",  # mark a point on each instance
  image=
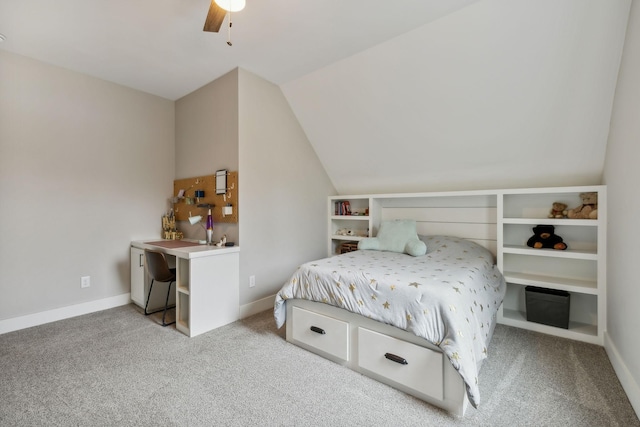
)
(183, 313)
(569, 253)
(503, 220)
(353, 238)
(581, 331)
(565, 284)
(552, 221)
(182, 326)
(577, 270)
(351, 217)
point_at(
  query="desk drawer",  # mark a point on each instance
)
(321, 332)
(422, 372)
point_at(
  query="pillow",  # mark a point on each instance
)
(396, 236)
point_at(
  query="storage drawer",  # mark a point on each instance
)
(422, 372)
(321, 332)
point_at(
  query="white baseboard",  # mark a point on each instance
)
(257, 306)
(23, 322)
(629, 384)
(30, 320)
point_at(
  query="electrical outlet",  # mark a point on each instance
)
(85, 281)
(252, 281)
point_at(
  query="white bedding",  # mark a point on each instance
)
(450, 296)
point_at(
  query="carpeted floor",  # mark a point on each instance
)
(118, 367)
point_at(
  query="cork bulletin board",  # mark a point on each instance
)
(189, 201)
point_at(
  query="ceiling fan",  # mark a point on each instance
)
(217, 12)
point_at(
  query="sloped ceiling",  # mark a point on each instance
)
(158, 46)
(410, 96)
(500, 94)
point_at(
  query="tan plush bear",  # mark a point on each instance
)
(559, 210)
(588, 209)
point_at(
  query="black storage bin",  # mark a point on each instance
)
(547, 306)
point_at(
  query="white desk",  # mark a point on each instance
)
(207, 284)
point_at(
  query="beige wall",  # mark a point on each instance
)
(621, 176)
(85, 167)
(207, 141)
(242, 122)
(284, 190)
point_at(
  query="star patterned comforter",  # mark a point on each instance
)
(450, 296)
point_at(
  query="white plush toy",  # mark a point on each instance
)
(222, 241)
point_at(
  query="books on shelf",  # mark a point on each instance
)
(342, 207)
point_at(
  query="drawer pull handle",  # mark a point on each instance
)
(397, 359)
(318, 330)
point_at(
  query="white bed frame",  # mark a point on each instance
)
(361, 343)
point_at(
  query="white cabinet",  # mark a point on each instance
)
(140, 282)
(207, 292)
(347, 225)
(137, 277)
(579, 270)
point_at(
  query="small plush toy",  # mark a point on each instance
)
(558, 210)
(345, 232)
(588, 209)
(544, 237)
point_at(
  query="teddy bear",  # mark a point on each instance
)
(588, 209)
(544, 237)
(558, 210)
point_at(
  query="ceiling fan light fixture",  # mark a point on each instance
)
(231, 5)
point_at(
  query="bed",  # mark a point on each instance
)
(419, 323)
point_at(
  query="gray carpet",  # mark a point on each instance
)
(118, 367)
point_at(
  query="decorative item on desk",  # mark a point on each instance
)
(222, 242)
(169, 231)
(209, 228)
(193, 220)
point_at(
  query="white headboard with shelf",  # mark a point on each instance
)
(471, 216)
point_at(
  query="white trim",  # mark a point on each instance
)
(629, 384)
(35, 319)
(256, 307)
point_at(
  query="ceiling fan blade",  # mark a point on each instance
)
(215, 16)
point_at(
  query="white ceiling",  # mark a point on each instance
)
(429, 95)
(158, 46)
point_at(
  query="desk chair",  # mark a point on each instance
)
(159, 270)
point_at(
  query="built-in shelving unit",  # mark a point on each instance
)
(357, 224)
(183, 309)
(579, 270)
(502, 221)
